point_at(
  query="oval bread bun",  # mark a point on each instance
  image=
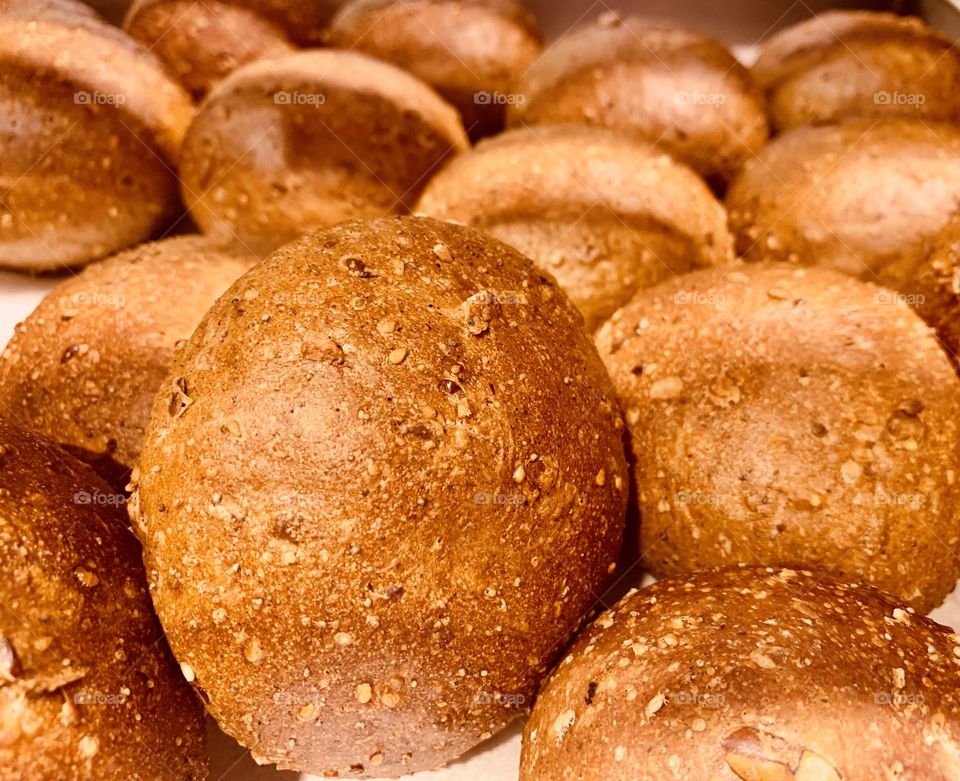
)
(934, 289)
(790, 415)
(94, 128)
(858, 63)
(88, 689)
(605, 214)
(202, 43)
(336, 135)
(751, 674)
(85, 367)
(862, 196)
(676, 88)
(471, 53)
(382, 484)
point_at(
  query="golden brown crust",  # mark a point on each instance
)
(934, 288)
(85, 367)
(605, 214)
(472, 53)
(858, 63)
(679, 89)
(337, 136)
(751, 674)
(87, 168)
(88, 689)
(382, 485)
(781, 415)
(861, 196)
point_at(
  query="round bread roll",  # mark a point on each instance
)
(92, 135)
(382, 484)
(606, 214)
(782, 414)
(862, 196)
(309, 140)
(934, 289)
(471, 53)
(88, 689)
(201, 43)
(679, 89)
(752, 674)
(858, 63)
(85, 367)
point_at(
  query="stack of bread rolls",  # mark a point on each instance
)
(350, 429)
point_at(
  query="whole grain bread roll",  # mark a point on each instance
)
(202, 43)
(83, 369)
(673, 87)
(604, 213)
(310, 139)
(858, 63)
(934, 288)
(88, 689)
(93, 131)
(861, 196)
(782, 414)
(752, 674)
(471, 53)
(380, 487)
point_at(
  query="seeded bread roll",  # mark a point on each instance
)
(858, 63)
(815, 423)
(471, 53)
(93, 130)
(382, 484)
(605, 214)
(934, 289)
(752, 674)
(311, 139)
(862, 196)
(88, 689)
(202, 43)
(676, 88)
(85, 367)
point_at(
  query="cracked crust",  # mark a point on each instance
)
(751, 674)
(381, 486)
(783, 415)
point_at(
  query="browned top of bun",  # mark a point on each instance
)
(752, 673)
(934, 288)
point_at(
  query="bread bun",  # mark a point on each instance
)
(862, 196)
(752, 674)
(934, 289)
(858, 63)
(94, 127)
(679, 89)
(383, 482)
(85, 367)
(782, 415)
(88, 689)
(471, 53)
(311, 139)
(604, 213)
(202, 43)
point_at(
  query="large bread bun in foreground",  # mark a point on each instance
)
(604, 213)
(752, 674)
(382, 484)
(88, 689)
(790, 415)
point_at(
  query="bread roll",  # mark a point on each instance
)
(862, 196)
(383, 482)
(471, 53)
(93, 130)
(311, 139)
(858, 63)
(88, 689)
(676, 88)
(752, 674)
(782, 415)
(934, 289)
(604, 213)
(202, 43)
(84, 368)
